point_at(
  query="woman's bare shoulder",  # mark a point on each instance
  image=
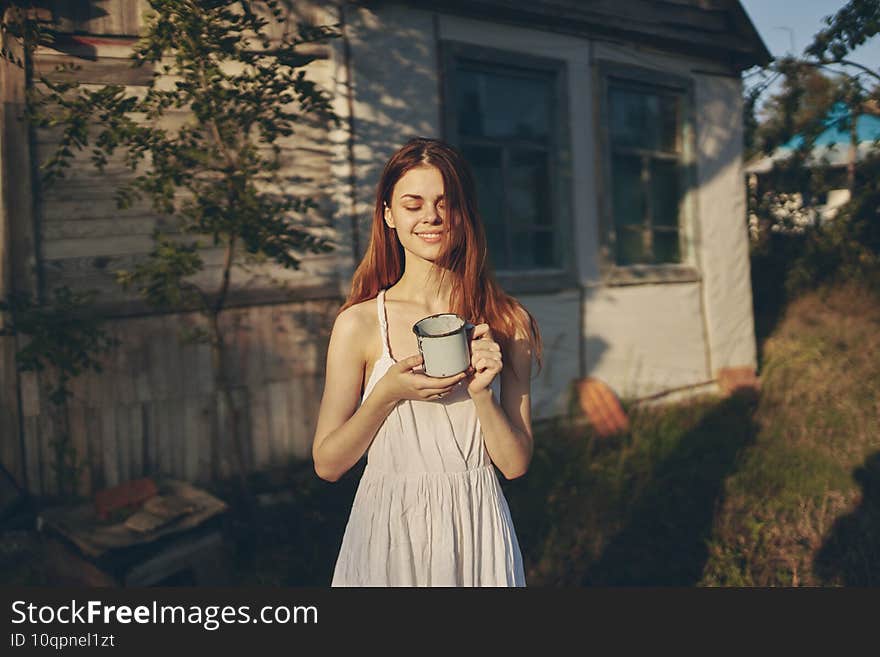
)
(354, 324)
(355, 318)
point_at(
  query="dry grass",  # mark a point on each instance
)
(804, 481)
(780, 490)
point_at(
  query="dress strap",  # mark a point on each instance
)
(383, 323)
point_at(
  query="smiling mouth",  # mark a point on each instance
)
(431, 238)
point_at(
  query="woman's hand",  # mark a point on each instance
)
(401, 382)
(485, 360)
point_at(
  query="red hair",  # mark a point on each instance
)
(464, 255)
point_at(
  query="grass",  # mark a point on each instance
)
(802, 508)
(779, 489)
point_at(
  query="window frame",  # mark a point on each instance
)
(606, 73)
(537, 280)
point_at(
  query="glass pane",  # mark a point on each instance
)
(485, 162)
(666, 246)
(544, 249)
(630, 247)
(495, 237)
(642, 119)
(469, 104)
(628, 197)
(665, 193)
(528, 192)
(523, 250)
(533, 250)
(631, 120)
(494, 104)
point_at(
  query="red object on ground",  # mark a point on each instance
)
(131, 493)
(602, 407)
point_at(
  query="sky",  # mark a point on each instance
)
(786, 23)
(788, 26)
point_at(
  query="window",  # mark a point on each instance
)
(645, 128)
(504, 112)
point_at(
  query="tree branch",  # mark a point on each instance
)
(845, 62)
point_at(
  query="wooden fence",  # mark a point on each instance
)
(155, 409)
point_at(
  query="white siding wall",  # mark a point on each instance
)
(645, 338)
(725, 252)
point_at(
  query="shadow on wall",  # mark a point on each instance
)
(626, 383)
(851, 554)
(75, 18)
(396, 93)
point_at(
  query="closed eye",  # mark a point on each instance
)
(441, 206)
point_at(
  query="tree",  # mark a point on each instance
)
(806, 94)
(218, 175)
(822, 88)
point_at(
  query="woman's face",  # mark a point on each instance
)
(418, 211)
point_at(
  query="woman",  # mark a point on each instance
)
(429, 510)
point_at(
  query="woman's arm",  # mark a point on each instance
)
(344, 430)
(507, 427)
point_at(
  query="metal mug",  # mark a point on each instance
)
(444, 344)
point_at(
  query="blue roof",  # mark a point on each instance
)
(867, 129)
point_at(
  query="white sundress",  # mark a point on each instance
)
(429, 510)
